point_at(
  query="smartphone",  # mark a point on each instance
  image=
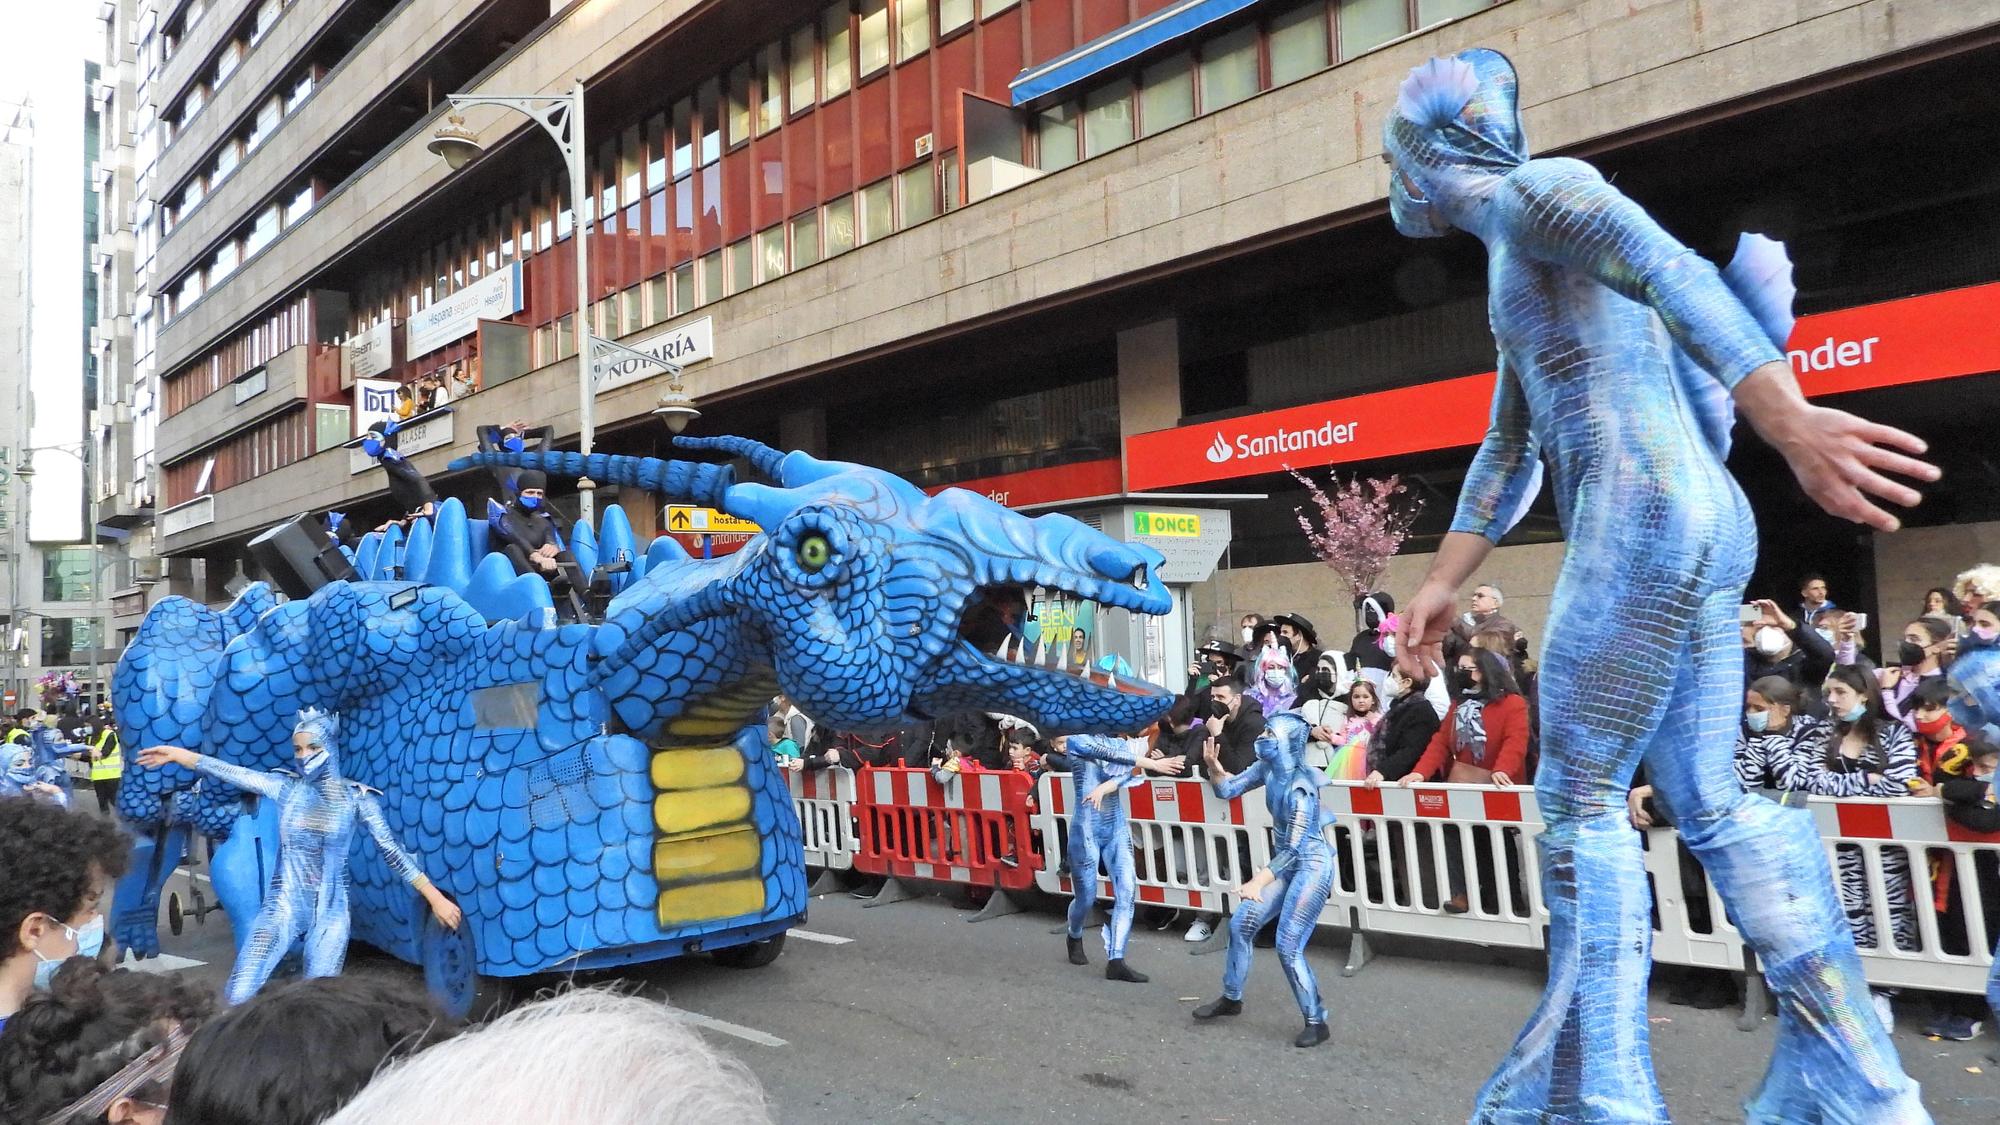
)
(1860, 622)
(1748, 614)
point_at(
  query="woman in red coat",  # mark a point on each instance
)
(1482, 741)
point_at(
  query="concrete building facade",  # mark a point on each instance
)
(1073, 253)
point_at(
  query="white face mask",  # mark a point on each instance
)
(1249, 634)
(1388, 645)
(1770, 640)
(1392, 689)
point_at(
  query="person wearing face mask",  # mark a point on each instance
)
(58, 865)
(1919, 657)
(1862, 753)
(99, 1046)
(1483, 741)
(1251, 631)
(534, 539)
(1293, 887)
(1779, 645)
(1773, 731)
(1298, 640)
(409, 492)
(1271, 682)
(318, 812)
(1373, 649)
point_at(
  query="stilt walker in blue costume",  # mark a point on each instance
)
(1623, 357)
(317, 814)
(1100, 828)
(1296, 884)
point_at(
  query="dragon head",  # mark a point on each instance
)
(872, 602)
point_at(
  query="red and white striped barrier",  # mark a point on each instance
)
(1402, 852)
(824, 800)
(972, 829)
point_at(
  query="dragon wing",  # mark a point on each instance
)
(1760, 275)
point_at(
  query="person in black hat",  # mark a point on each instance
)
(532, 535)
(1298, 637)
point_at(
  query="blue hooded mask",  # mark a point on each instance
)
(1455, 133)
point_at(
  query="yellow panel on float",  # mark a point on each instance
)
(703, 902)
(704, 857)
(691, 810)
(696, 769)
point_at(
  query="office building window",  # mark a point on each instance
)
(913, 28)
(741, 276)
(1367, 24)
(708, 106)
(1166, 94)
(1298, 43)
(1437, 11)
(1228, 69)
(952, 15)
(805, 240)
(948, 180)
(683, 137)
(804, 84)
(1107, 118)
(839, 232)
(878, 212)
(837, 51)
(916, 190)
(771, 87)
(658, 304)
(1055, 132)
(771, 253)
(66, 575)
(711, 277)
(684, 295)
(874, 36)
(739, 103)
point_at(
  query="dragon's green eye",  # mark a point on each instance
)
(814, 553)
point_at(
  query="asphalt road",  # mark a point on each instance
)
(907, 1013)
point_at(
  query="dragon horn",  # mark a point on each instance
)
(680, 480)
(762, 457)
(788, 469)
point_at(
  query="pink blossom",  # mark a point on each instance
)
(1361, 523)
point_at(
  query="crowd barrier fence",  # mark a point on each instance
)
(1405, 854)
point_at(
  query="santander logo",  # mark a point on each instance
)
(1219, 450)
(1279, 440)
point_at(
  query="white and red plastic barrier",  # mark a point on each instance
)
(1402, 853)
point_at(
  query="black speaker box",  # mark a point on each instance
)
(299, 557)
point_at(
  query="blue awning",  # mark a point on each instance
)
(1121, 46)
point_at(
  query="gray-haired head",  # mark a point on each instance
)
(587, 1057)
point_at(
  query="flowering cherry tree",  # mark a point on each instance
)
(1358, 525)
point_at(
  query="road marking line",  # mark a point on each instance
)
(823, 939)
(164, 963)
(747, 1034)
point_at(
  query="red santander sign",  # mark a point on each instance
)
(1912, 340)
(1045, 486)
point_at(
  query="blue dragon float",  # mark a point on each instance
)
(599, 794)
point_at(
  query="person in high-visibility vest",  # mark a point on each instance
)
(107, 765)
(24, 723)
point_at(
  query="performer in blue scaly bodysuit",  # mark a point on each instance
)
(1296, 884)
(1100, 828)
(1621, 351)
(317, 813)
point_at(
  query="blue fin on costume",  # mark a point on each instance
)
(1436, 91)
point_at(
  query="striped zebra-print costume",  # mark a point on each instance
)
(1892, 759)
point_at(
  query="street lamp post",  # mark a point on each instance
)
(561, 116)
(81, 452)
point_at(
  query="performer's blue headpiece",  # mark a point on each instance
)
(1456, 130)
(320, 728)
(1282, 746)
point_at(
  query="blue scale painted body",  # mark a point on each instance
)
(1102, 836)
(1619, 348)
(1302, 862)
(1974, 677)
(595, 795)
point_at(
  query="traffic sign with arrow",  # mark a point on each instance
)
(685, 519)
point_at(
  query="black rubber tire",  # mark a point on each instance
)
(750, 955)
(176, 919)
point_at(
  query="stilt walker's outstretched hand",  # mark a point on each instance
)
(1842, 461)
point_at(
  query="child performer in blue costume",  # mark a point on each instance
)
(1623, 356)
(1296, 884)
(317, 814)
(1100, 828)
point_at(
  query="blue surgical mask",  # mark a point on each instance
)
(514, 444)
(531, 502)
(89, 941)
(1853, 714)
(1757, 722)
(371, 447)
